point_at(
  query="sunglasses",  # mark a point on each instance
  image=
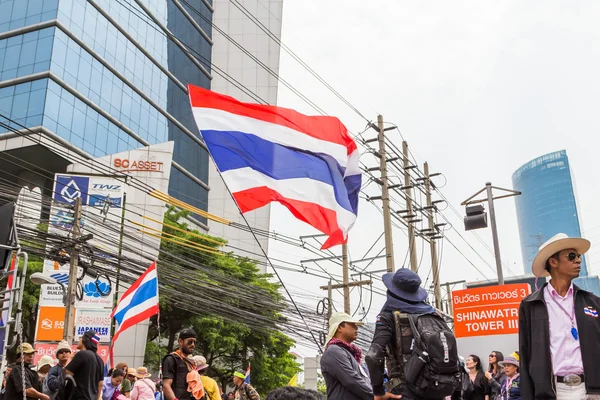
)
(492, 356)
(572, 256)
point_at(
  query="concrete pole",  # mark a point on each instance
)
(385, 198)
(409, 207)
(437, 291)
(69, 329)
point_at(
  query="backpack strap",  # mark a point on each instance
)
(187, 362)
(412, 320)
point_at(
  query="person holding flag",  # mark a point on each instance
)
(243, 390)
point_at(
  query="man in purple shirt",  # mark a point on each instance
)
(559, 328)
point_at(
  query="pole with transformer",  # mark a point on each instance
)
(476, 218)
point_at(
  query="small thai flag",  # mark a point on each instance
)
(247, 380)
(590, 311)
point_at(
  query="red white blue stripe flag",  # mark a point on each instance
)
(266, 153)
(137, 304)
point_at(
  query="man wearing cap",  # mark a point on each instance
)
(14, 383)
(559, 328)
(243, 390)
(54, 378)
(341, 363)
(87, 368)
(177, 365)
(404, 296)
(210, 385)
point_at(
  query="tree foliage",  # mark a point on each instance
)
(227, 344)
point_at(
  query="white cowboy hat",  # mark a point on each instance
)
(557, 243)
(335, 321)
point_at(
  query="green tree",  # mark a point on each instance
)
(228, 344)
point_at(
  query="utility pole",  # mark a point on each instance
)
(490, 198)
(409, 208)
(69, 329)
(345, 278)
(437, 291)
(385, 196)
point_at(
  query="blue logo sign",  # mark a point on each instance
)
(61, 278)
(70, 188)
(90, 289)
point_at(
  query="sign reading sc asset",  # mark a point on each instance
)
(491, 310)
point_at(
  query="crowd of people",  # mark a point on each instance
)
(413, 354)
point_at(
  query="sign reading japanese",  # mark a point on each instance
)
(95, 319)
(491, 310)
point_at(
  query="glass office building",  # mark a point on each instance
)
(547, 205)
(110, 75)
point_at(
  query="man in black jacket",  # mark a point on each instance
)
(559, 328)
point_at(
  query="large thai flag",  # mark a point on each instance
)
(137, 304)
(267, 153)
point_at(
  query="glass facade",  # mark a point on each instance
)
(106, 76)
(547, 205)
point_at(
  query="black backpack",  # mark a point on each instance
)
(432, 371)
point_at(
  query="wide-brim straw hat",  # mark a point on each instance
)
(142, 372)
(557, 243)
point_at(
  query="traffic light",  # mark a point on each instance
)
(476, 217)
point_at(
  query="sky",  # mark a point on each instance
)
(477, 88)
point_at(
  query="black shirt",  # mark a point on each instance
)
(88, 370)
(175, 368)
(14, 384)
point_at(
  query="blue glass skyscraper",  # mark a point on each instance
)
(106, 76)
(547, 205)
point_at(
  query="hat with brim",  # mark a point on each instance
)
(45, 360)
(335, 321)
(509, 360)
(142, 372)
(26, 348)
(200, 362)
(557, 243)
(405, 284)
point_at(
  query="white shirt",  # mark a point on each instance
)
(564, 349)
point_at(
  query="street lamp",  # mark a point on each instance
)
(39, 278)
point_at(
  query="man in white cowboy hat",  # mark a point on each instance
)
(345, 377)
(399, 327)
(210, 385)
(559, 328)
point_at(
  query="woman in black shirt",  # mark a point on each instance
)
(478, 387)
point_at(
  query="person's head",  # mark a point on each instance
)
(63, 352)
(89, 341)
(404, 285)
(511, 365)
(44, 364)
(238, 378)
(560, 257)
(201, 365)
(343, 327)
(230, 396)
(9, 369)
(122, 366)
(26, 353)
(142, 373)
(187, 341)
(117, 376)
(494, 357)
(294, 393)
(130, 375)
(474, 362)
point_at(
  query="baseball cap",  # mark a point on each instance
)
(26, 348)
(187, 333)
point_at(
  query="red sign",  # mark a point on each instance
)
(138, 165)
(490, 310)
(49, 349)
